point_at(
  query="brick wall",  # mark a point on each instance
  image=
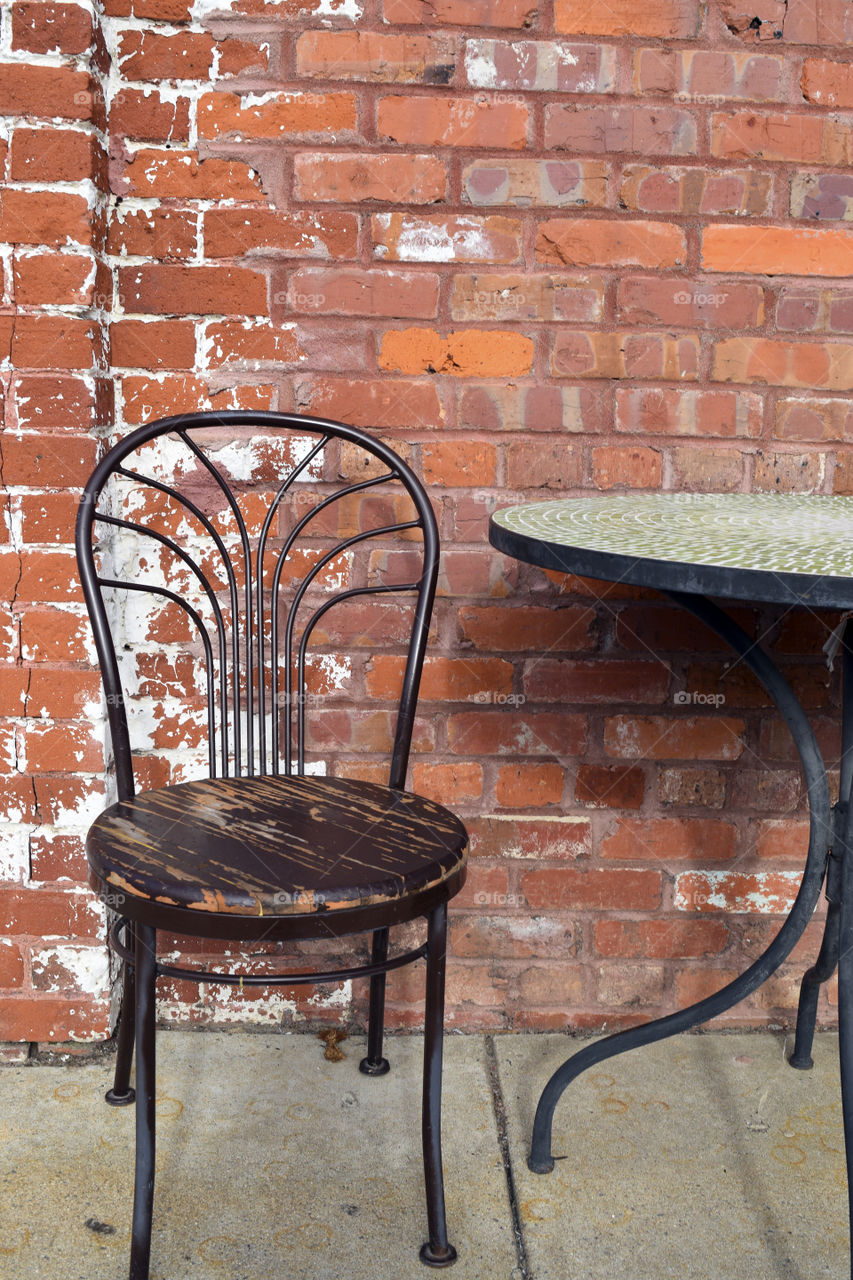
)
(545, 249)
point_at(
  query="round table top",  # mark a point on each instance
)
(773, 547)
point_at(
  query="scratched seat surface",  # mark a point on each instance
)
(275, 845)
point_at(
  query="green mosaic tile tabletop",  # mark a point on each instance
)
(763, 546)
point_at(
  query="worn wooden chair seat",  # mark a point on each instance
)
(250, 552)
(273, 848)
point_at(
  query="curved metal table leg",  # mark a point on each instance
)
(820, 817)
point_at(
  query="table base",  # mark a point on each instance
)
(830, 838)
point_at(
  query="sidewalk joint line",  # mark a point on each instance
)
(499, 1107)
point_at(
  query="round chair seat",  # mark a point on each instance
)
(273, 846)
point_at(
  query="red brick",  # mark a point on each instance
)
(828, 366)
(666, 411)
(249, 342)
(465, 13)
(459, 462)
(49, 913)
(787, 472)
(824, 196)
(704, 788)
(783, 840)
(53, 155)
(278, 116)
(529, 786)
(615, 467)
(48, 517)
(391, 402)
(453, 122)
(158, 344)
(146, 398)
(358, 292)
(356, 178)
(586, 242)
(147, 55)
(178, 290)
(543, 464)
(54, 342)
(709, 76)
(745, 135)
(827, 83)
(801, 309)
(54, 635)
(444, 679)
(184, 176)
(670, 19)
(484, 937)
(158, 10)
(233, 233)
(50, 28)
(811, 419)
(661, 300)
(666, 839)
(549, 67)
(707, 470)
(762, 892)
(608, 889)
(610, 786)
(48, 402)
(582, 183)
(523, 836)
(44, 91)
(627, 130)
(11, 965)
(53, 279)
(777, 250)
(44, 218)
(509, 731)
(533, 627)
(152, 233)
(660, 738)
(54, 1018)
(606, 681)
(668, 189)
(551, 984)
(62, 748)
(238, 57)
(624, 355)
(660, 939)
(135, 113)
(405, 237)
(464, 354)
(448, 783)
(375, 56)
(540, 408)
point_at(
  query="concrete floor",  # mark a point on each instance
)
(705, 1157)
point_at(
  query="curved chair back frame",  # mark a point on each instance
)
(256, 722)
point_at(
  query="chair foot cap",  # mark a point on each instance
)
(801, 1064)
(120, 1099)
(380, 1068)
(432, 1258)
(540, 1165)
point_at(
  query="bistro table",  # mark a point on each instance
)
(787, 549)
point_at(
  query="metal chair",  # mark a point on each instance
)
(262, 847)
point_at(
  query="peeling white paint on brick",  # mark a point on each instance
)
(14, 852)
(86, 967)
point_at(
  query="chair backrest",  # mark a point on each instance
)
(241, 529)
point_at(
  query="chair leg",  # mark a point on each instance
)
(121, 1094)
(821, 972)
(436, 1252)
(374, 1064)
(143, 1190)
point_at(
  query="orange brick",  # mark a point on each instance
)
(356, 178)
(465, 354)
(664, 839)
(617, 468)
(184, 176)
(669, 19)
(464, 13)
(529, 786)
(586, 242)
(608, 889)
(146, 55)
(625, 355)
(827, 365)
(778, 250)
(660, 738)
(279, 116)
(453, 122)
(827, 83)
(179, 290)
(749, 136)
